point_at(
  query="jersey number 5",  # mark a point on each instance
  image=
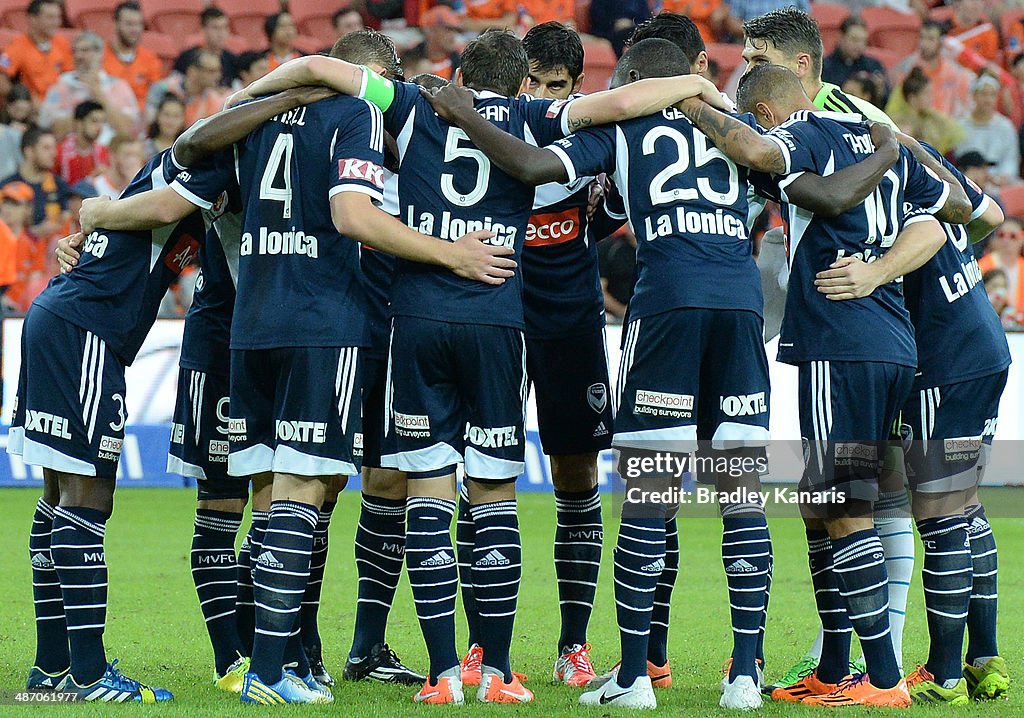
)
(453, 150)
(280, 162)
(703, 154)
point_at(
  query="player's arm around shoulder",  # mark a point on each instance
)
(738, 141)
(643, 97)
(956, 209)
(318, 70)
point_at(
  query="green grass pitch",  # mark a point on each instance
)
(155, 627)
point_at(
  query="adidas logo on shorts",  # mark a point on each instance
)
(494, 558)
(654, 566)
(976, 526)
(741, 566)
(40, 560)
(269, 560)
(441, 558)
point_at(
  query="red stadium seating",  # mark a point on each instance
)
(314, 19)
(599, 64)
(729, 56)
(95, 15)
(891, 29)
(941, 13)
(1012, 200)
(888, 58)
(829, 17)
(310, 45)
(247, 17)
(179, 18)
(13, 15)
(166, 47)
(235, 43)
(583, 15)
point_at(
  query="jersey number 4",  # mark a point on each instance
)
(279, 163)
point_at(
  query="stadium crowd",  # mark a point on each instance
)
(91, 94)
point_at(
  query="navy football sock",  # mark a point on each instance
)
(215, 575)
(837, 631)
(77, 550)
(465, 539)
(981, 618)
(245, 615)
(578, 537)
(759, 654)
(859, 562)
(317, 563)
(497, 570)
(52, 654)
(746, 556)
(639, 562)
(434, 577)
(657, 645)
(282, 570)
(947, 591)
(380, 551)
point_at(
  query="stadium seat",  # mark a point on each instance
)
(1012, 200)
(829, 17)
(310, 45)
(177, 19)
(888, 58)
(313, 18)
(583, 15)
(164, 46)
(943, 13)
(599, 64)
(247, 17)
(728, 55)
(892, 29)
(13, 15)
(95, 15)
(234, 43)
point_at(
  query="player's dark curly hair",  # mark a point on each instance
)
(369, 46)
(552, 45)
(790, 30)
(677, 29)
(495, 61)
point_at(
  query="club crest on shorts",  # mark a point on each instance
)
(597, 397)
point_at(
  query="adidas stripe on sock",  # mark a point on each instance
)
(946, 575)
(433, 575)
(497, 570)
(981, 618)
(245, 614)
(282, 570)
(578, 537)
(465, 539)
(51, 629)
(380, 552)
(657, 645)
(837, 632)
(310, 630)
(863, 584)
(215, 576)
(639, 562)
(746, 556)
(896, 532)
(76, 545)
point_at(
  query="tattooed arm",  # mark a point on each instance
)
(957, 209)
(737, 141)
(643, 97)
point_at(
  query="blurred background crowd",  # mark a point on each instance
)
(90, 89)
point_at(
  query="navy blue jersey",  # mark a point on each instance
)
(687, 203)
(378, 272)
(449, 188)
(299, 283)
(873, 328)
(958, 333)
(116, 288)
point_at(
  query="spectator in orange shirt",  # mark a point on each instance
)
(441, 26)
(540, 11)
(707, 15)
(216, 32)
(972, 27)
(39, 150)
(483, 15)
(38, 57)
(1004, 253)
(126, 158)
(198, 88)
(80, 155)
(951, 83)
(31, 266)
(124, 58)
(281, 32)
(8, 262)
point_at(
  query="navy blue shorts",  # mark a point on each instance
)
(693, 374)
(69, 413)
(457, 392)
(847, 410)
(295, 410)
(375, 378)
(950, 426)
(199, 435)
(570, 380)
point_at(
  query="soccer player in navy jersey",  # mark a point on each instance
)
(961, 371)
(663, 295)
(457, 379)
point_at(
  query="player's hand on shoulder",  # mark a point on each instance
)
(714, 97)
(884, 139)
(67, 251)
(449, 101)
(88, 215)
(237, 98)
(847, 278)
(475, 259)
(595, 198)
